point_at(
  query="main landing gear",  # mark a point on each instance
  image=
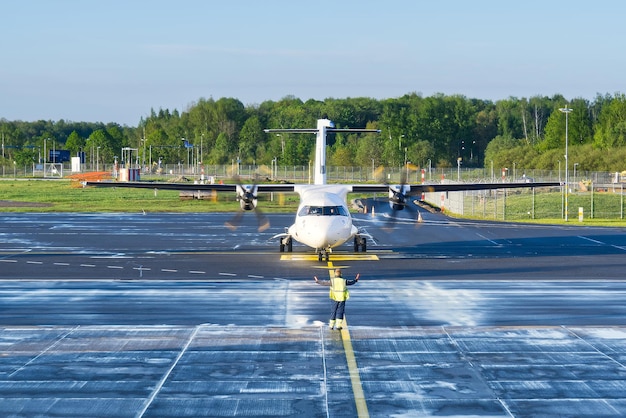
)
(286, 244)
(360, 243)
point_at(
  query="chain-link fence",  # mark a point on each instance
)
(585, 201)
(591, 194)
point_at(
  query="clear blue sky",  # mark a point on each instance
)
(114, 60)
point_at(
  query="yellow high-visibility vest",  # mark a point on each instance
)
(338, 289)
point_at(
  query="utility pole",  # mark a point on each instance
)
(567, 111)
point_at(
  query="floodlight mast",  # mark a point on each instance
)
(567, 111)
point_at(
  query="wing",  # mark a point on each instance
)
(188, 186)
(418, 189)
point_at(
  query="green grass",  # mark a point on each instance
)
(599, 208)
(64, 196)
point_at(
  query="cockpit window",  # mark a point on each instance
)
(323, 211)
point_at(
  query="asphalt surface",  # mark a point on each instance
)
(175, 315)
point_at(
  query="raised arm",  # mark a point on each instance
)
(321, 282)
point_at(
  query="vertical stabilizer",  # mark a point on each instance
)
(324, 126)
(320, 150)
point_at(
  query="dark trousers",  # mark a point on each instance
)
(337, 309)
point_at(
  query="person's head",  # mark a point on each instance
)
(337, 272)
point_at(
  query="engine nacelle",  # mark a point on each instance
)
(397, 195)
(247, 196)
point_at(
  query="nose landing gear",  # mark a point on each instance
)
(323, 254)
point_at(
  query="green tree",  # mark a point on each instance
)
(611, 129)
(103, 146)
(250, 138)
(221, 154)
(74, 143)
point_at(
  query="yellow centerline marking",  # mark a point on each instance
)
(336, 257)
(355, 378)
(353, 369)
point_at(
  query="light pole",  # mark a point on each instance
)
(567, 111)
(45, 155)
(575, 164)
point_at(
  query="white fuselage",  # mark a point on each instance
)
(323, 220)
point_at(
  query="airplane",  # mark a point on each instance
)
(323, 221)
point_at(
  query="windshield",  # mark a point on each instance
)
(323, 211)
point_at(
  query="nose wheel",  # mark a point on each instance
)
(323, 255)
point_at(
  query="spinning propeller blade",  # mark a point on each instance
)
(246, 195)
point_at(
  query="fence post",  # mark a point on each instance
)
(591, 214)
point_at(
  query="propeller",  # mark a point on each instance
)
(247, 197)
(398, 199)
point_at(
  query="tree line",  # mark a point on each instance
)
(438, 131)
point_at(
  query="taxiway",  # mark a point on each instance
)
(174, 315)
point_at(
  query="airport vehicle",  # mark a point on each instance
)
(323, 220)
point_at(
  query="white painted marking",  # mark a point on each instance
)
(115, 267)
(87, 265)
(325, 382)
(169, 271)
(487, 239)
(34, 262)
(602, 243)
(227, 274)
(61, 264)
(592, 240)
(196, 272)
(9, 261)
(57, 342)
(252, 276)
(166, 376)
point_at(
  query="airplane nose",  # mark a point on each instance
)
(327, 231)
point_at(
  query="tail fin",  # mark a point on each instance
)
(324, 126)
